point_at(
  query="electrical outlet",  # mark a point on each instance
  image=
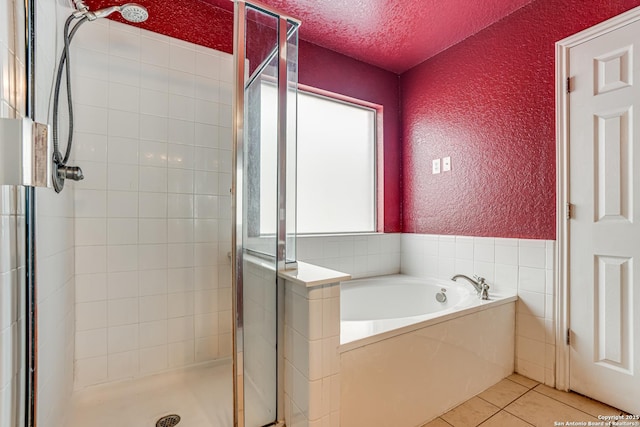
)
(436, 166)
(446, 164)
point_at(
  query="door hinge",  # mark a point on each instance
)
(568, 336)
(569, 211)
(568, 84)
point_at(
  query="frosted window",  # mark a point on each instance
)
(268, 158)
(336, 166)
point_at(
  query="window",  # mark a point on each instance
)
(336, 165)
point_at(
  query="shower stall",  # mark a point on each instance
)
(152, 284)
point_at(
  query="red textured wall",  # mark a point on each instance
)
(192, 20)
(489, 104)
(328, 70)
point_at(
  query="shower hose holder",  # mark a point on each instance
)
(62, 172)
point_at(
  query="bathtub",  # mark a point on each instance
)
(384, 306)
(406, 358)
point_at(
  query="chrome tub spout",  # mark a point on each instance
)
(481, 287)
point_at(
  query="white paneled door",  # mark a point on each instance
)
(604, 230)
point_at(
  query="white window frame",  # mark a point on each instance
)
(375, 174)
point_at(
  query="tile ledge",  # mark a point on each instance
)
(310, 275)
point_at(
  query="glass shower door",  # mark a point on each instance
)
(264, 202)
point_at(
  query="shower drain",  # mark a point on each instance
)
(168, 421)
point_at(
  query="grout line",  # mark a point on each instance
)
(527, 387)
(482, 422)
(492, 415)
(521, 419)
(507, 404)
(582, 396)
(571, 406)
(435, 419)
(529, 390)
(556, 400)
(505, 408)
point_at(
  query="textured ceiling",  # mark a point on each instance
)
(395, 35)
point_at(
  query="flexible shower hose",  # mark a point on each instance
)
(64, 64)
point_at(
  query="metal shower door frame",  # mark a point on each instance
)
(31, 313)
(237, 238)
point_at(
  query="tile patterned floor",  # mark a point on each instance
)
(521, 402)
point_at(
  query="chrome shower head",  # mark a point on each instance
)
(132, 12)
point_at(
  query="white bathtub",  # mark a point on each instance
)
(384, 306)
(406, 358)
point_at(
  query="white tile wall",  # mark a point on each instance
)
(54, 239)
(8, 59)
(11, 313)
(260, 341)
(56, 316)
(359, 255)
(526, 266)
(312, 363)
(153, 223)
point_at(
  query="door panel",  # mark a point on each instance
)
(604, 237)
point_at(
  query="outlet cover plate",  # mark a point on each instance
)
(446, 164)
(436, 166)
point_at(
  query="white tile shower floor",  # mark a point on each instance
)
(201, 395)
